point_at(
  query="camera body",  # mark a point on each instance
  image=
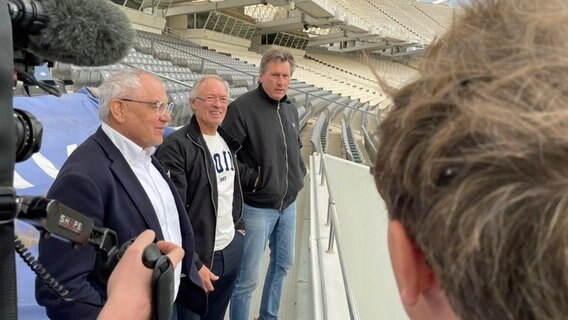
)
(27, 18)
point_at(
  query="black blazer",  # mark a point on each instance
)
(97, 181)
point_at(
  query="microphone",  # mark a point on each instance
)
(56, 219)
(79, 32)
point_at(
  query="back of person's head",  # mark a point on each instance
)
(119, 85)
(277, 54)
(473, 160)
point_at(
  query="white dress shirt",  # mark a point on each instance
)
(154, 184)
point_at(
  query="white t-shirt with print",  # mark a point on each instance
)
(225, 170)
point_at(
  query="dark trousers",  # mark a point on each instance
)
(226, 265)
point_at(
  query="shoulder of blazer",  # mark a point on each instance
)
(107, 145)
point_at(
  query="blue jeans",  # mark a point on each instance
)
(278, 228)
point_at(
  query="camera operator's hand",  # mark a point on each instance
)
(129, 288)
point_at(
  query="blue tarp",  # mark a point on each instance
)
(67, 121)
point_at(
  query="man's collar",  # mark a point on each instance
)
(129, 149)
(266, 96)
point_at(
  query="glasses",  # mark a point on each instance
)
(212, 99)
(160, 106)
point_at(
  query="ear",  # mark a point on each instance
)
(413, 275)
(117, 110)
(192, 104)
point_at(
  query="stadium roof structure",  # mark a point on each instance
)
(393, 28)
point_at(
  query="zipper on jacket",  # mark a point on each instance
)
(239, 186)
(212, 200)
(257, 180)
(286, 153)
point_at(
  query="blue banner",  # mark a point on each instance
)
(67, 121)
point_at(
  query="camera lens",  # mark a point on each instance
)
(28, 134)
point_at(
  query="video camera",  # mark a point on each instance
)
(27, 17)
(21, 136)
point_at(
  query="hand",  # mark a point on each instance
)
(129, 287)
(206, 277)
(241, 231)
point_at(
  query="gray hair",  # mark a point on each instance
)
(277, 54)
(193, 92)
(118, 85)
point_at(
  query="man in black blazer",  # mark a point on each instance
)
(114, 178)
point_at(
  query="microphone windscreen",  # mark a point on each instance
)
(83, 33)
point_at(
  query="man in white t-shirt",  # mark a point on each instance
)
(201, 160)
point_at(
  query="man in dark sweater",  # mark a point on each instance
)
(265, 123)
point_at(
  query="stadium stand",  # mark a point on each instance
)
(336, 44)
(320, 134)
(350, 146)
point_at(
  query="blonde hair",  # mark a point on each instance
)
(473, 160)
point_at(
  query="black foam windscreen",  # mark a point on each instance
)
(83, 33)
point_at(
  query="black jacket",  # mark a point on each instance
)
(186, 156)
(269, 132)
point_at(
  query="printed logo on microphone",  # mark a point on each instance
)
(70, 224)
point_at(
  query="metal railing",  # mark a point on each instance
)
(334, 240)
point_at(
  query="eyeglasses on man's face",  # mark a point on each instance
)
(212, 99)
(160, 106)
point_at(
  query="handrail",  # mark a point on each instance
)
(152, 41)
(253, 76)
(185, 84)
(334, 239)
(318, 286)
(369, 145)
(172, 32)
(203, 60)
